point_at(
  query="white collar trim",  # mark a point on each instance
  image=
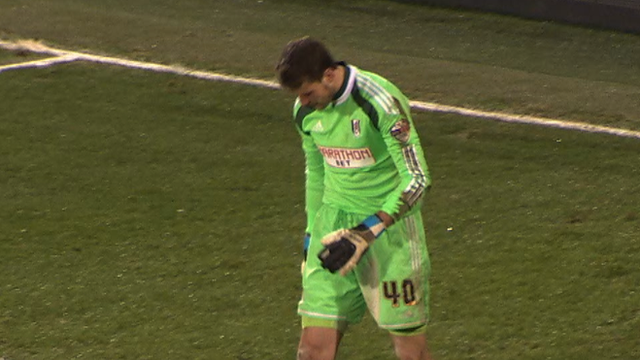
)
(351, 81)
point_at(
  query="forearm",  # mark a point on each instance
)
(314, 180)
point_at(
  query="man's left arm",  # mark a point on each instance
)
(403, 144)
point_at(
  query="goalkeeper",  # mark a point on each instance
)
(366, 173)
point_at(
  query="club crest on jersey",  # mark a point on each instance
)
(401, 130)
(355, 127)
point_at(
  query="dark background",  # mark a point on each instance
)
(620, 15)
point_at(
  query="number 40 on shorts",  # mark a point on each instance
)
(393, 292)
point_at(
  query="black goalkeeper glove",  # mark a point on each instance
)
(344, 248)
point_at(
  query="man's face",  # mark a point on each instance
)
(317, 94)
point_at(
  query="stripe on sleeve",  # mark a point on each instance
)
(415, 189)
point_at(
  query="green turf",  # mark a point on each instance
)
(6, 57)
(458, 58)
(135, 222)
(11, 57)
(149, 216)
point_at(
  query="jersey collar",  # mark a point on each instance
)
(347, 85)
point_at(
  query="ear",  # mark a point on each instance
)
(329, 75)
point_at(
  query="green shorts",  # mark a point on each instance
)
(391, 279)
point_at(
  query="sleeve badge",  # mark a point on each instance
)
(401, 130)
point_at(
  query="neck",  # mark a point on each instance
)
(338, 80)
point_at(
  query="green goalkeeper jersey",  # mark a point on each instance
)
(362, 151)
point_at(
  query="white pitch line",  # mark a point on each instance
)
(38, 63)
(65, 55)
(43, 49)
(524, 119)
(177, 70)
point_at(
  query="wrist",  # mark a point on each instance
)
(387, 219)
(372, 227)
(305, 244)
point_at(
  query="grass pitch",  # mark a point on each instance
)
(147, 216)
(8, 57)
(468, 59)
(134, 205)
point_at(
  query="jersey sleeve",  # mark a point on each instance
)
(403, 144)
(314, 170)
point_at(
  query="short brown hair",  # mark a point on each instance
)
(304, 59)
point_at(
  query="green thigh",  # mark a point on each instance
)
(391, 280)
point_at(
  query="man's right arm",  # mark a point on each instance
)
(314, 166)
(314, 179)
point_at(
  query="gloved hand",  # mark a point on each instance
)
(344, 248)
